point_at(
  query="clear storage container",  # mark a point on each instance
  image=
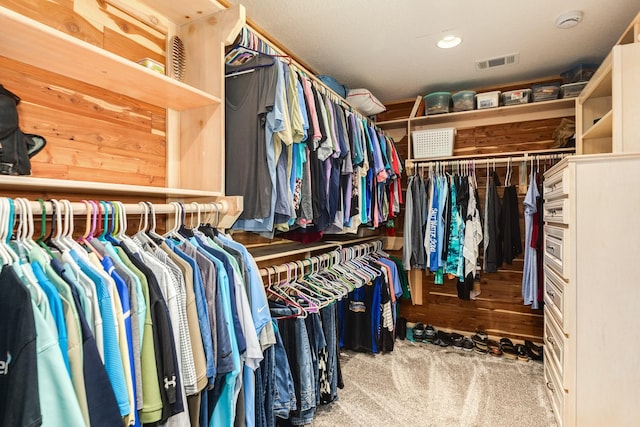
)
(579, 73)
(572, 90)
(464, 100)
(516, 97)
(488, 99)
(545, 92)
(437, 103)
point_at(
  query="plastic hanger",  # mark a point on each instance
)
(90, 225)
(104, 211)
(183, 230)
(173, 232)
(5, 257)
(152, 225)
(279, 297)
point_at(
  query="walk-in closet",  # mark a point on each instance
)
(253, 213)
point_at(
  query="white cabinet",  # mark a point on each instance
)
(592, 290)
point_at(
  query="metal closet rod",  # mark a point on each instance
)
(489, 161)
(347, 254)
(80, 208)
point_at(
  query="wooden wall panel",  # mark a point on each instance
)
(92, 134)
(58, 14)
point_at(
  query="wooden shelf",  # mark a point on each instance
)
(181, 12)
(508, 114)
(269, 252)
(602, 129)
(281, 250)
(22, 38)
(600, 84)
(28, 183)
(393, 122)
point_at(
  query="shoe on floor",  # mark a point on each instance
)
(430, 333)
(494, 348)
(443, 339)
(418, 332)
(457, 340)
(508, 348)
(467, 344)
(522, 353)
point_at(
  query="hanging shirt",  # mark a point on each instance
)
(19, 380)
(249, 97)
(101, 401)
(151, 410)
(530, 269)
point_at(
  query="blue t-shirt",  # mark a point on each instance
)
(55, 302)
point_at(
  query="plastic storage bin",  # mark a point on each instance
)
(437, 103)
(464, 100)
(572, 90)
(516, 97)
(432, 143)
(488, 99)
(545, 92)
(579, 73)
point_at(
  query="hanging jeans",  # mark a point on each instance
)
(284, 396)
(298, 350)
(318, 343)
(266, 387)
(328, 315)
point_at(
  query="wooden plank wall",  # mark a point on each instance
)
(499, 309)
(92, 134)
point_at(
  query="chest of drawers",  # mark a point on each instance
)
(592, 290)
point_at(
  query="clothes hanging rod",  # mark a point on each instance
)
(489, 161)
(291, 267)
(80, 208)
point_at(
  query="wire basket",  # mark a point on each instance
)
(433, 143)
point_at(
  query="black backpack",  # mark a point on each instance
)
(16, 148)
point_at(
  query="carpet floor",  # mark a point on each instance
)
(426, 385)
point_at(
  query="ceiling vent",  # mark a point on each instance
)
(485, 64)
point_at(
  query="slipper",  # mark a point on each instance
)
(508, 348)
(418, 332)
(480, 350)
(522, 353)
(494, 348)
(535, 352)
(480, 340)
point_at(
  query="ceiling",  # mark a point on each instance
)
(389, 47)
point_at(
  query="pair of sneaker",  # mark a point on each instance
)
(422, 333)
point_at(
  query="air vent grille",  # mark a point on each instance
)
(500, 61)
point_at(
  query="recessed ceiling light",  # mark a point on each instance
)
(449, 41)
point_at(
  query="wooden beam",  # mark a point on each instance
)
(415, 283)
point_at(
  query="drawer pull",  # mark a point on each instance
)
(551, 294)
(551, 248)
(551, 340)
(550, 387)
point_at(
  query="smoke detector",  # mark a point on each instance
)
(569, 19)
